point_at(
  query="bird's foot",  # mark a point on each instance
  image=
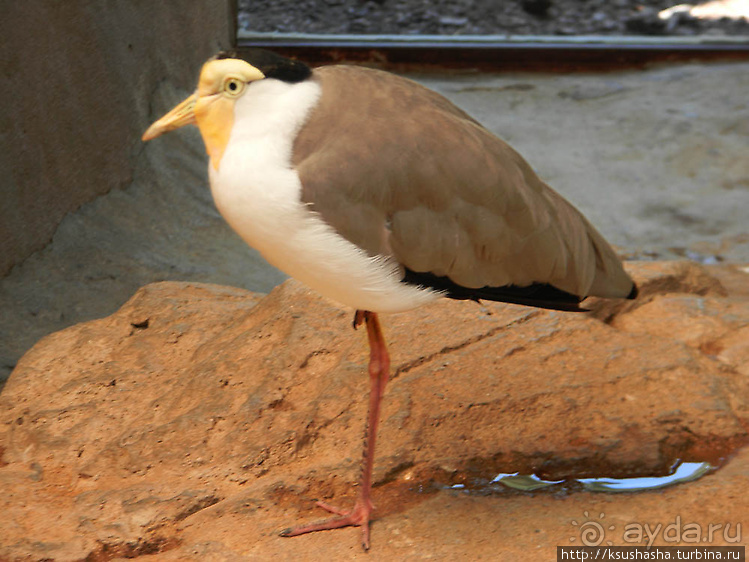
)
(357, 517)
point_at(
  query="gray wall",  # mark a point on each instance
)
(78, 80)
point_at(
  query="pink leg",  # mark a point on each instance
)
(379, 367)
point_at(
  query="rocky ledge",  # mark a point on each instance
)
(199, 420)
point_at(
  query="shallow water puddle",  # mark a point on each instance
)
(681, 472)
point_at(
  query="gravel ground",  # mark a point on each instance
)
(479, 17)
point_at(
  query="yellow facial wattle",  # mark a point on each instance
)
(215, 118)
(211, 107)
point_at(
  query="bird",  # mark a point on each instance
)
(384, 196)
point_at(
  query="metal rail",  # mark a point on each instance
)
(500, 52)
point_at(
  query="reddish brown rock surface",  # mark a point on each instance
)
(199, 420)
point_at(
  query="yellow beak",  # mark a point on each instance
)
(183, 114)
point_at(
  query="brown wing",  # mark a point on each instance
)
(400, 171)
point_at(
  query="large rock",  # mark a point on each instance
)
(199, 420)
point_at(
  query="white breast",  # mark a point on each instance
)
(258, 193)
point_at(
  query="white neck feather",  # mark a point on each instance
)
(272, 111)
(255, 172)
(258, 192)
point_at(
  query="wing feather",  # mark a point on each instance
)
(400, 171)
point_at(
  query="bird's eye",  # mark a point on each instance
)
(233, 86)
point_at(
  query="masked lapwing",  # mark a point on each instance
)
(384, 196)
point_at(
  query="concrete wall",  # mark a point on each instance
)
(78, 80)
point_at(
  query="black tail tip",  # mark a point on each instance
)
(634, 292)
